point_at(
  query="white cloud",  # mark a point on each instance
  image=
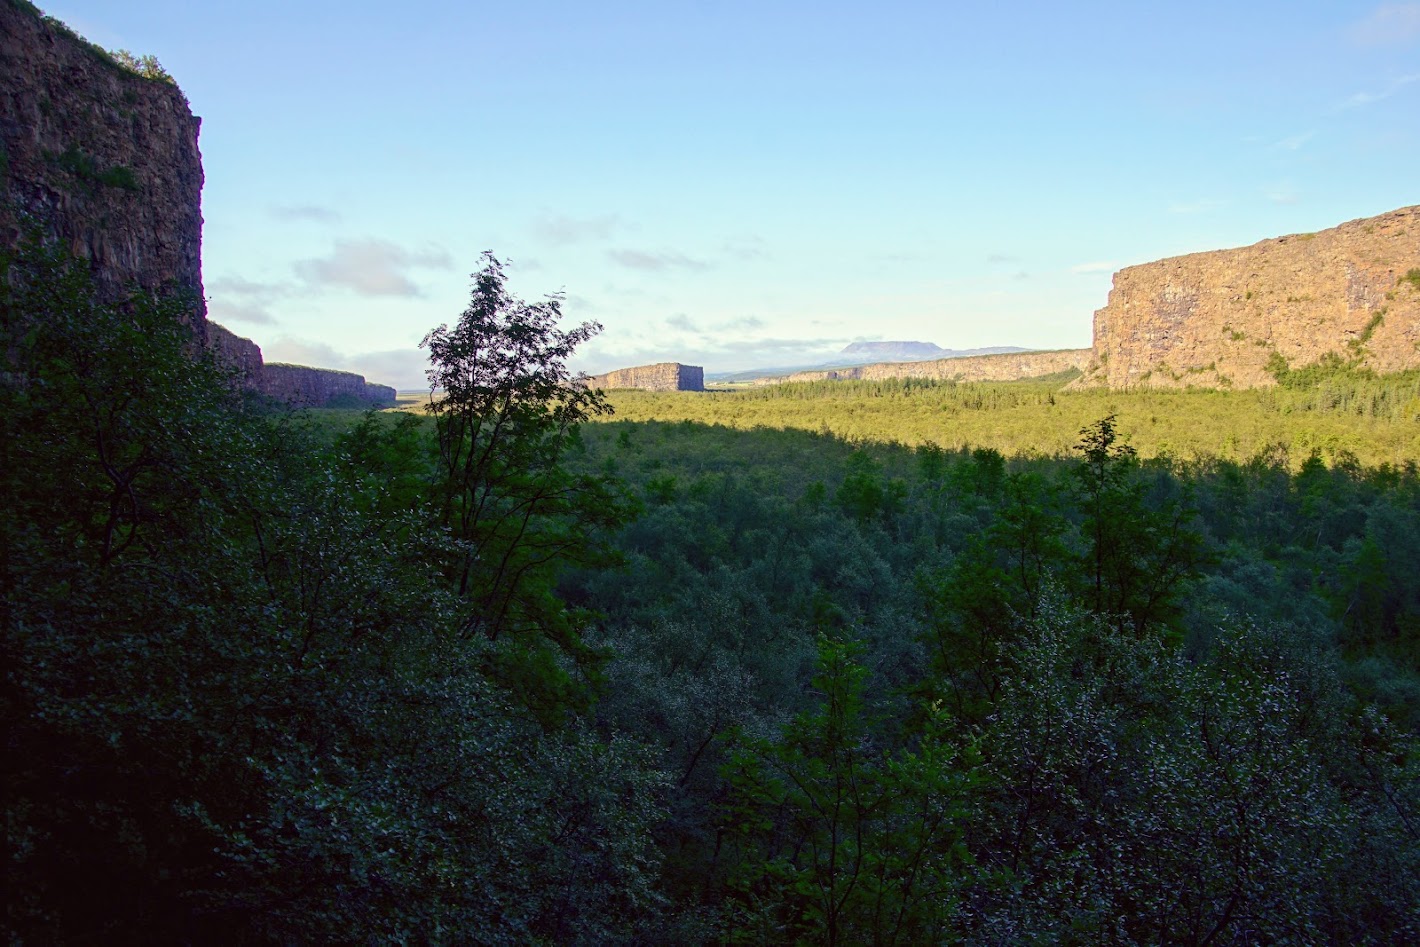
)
(1389, 24)
(1362, 99)
(251, 313)
(560, 230)
(1097, 266)
(745, 248)
(714, 355)
(681, 321)
(370, 267)
(654, 262)
(1294, 142)
(1282, 193)
(237, 299)
(401, 368)
(311, 212)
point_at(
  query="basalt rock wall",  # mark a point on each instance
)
(304, 387)
(299, 386)
(105, 163)
(665, 376)
(103, 160)
(239, 354)
(1221, 318)
(1011, 367)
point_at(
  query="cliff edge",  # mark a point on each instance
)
(663, 376)
(105, 161)
(1225, 317)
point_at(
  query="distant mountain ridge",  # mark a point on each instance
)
(866, 353)
(914, 351)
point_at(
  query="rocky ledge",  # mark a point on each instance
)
(299, 386)
(663, 376)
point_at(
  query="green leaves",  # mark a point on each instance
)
(842, 841)
(506, 411)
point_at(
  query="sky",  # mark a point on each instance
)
(751, 184)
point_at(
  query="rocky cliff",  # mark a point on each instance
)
(1010, 367)
(103, 159)
(237, 353)
(664, 376)
(1221, 318)
(304, 387)
(299, 386)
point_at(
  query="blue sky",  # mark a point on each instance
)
(747, 184)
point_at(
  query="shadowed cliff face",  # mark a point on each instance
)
(105, 160)
(106, 163)
(296, 385)
(1218, 318)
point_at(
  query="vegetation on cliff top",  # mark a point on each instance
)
(145, 66)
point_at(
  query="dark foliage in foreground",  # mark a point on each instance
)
(430, 681)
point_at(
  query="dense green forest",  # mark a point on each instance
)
(526, 671)
(1342, 414)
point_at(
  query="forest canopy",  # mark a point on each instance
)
(502, 675)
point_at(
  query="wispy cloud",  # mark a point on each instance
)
(1390, 24)
(654, 262)
(313, 212)
(682, 322)
(717, 354)
(561, 230)
(1281, 193)
(743, 323)
(223, 311)
(1294, 142)
(1096, 266)
(745, 249)
(997, 259)
(370, 267)
(237, 299)
(1195, 207)
(402, 368)
(1362, 99)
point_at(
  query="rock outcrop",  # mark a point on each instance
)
(664, 376)
(105, 160)
(1221, 318)
(303, 387)
(241, 355)
(1010, 367)
(298, 386)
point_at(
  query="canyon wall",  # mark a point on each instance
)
(105, 163)
(1009, 367)
(241, 355)
(664, 376)
(303, 387)
(1221, 318)
(298, 386)
(103, 160)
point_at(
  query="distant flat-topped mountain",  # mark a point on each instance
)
(856, 352)
(864, 353)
